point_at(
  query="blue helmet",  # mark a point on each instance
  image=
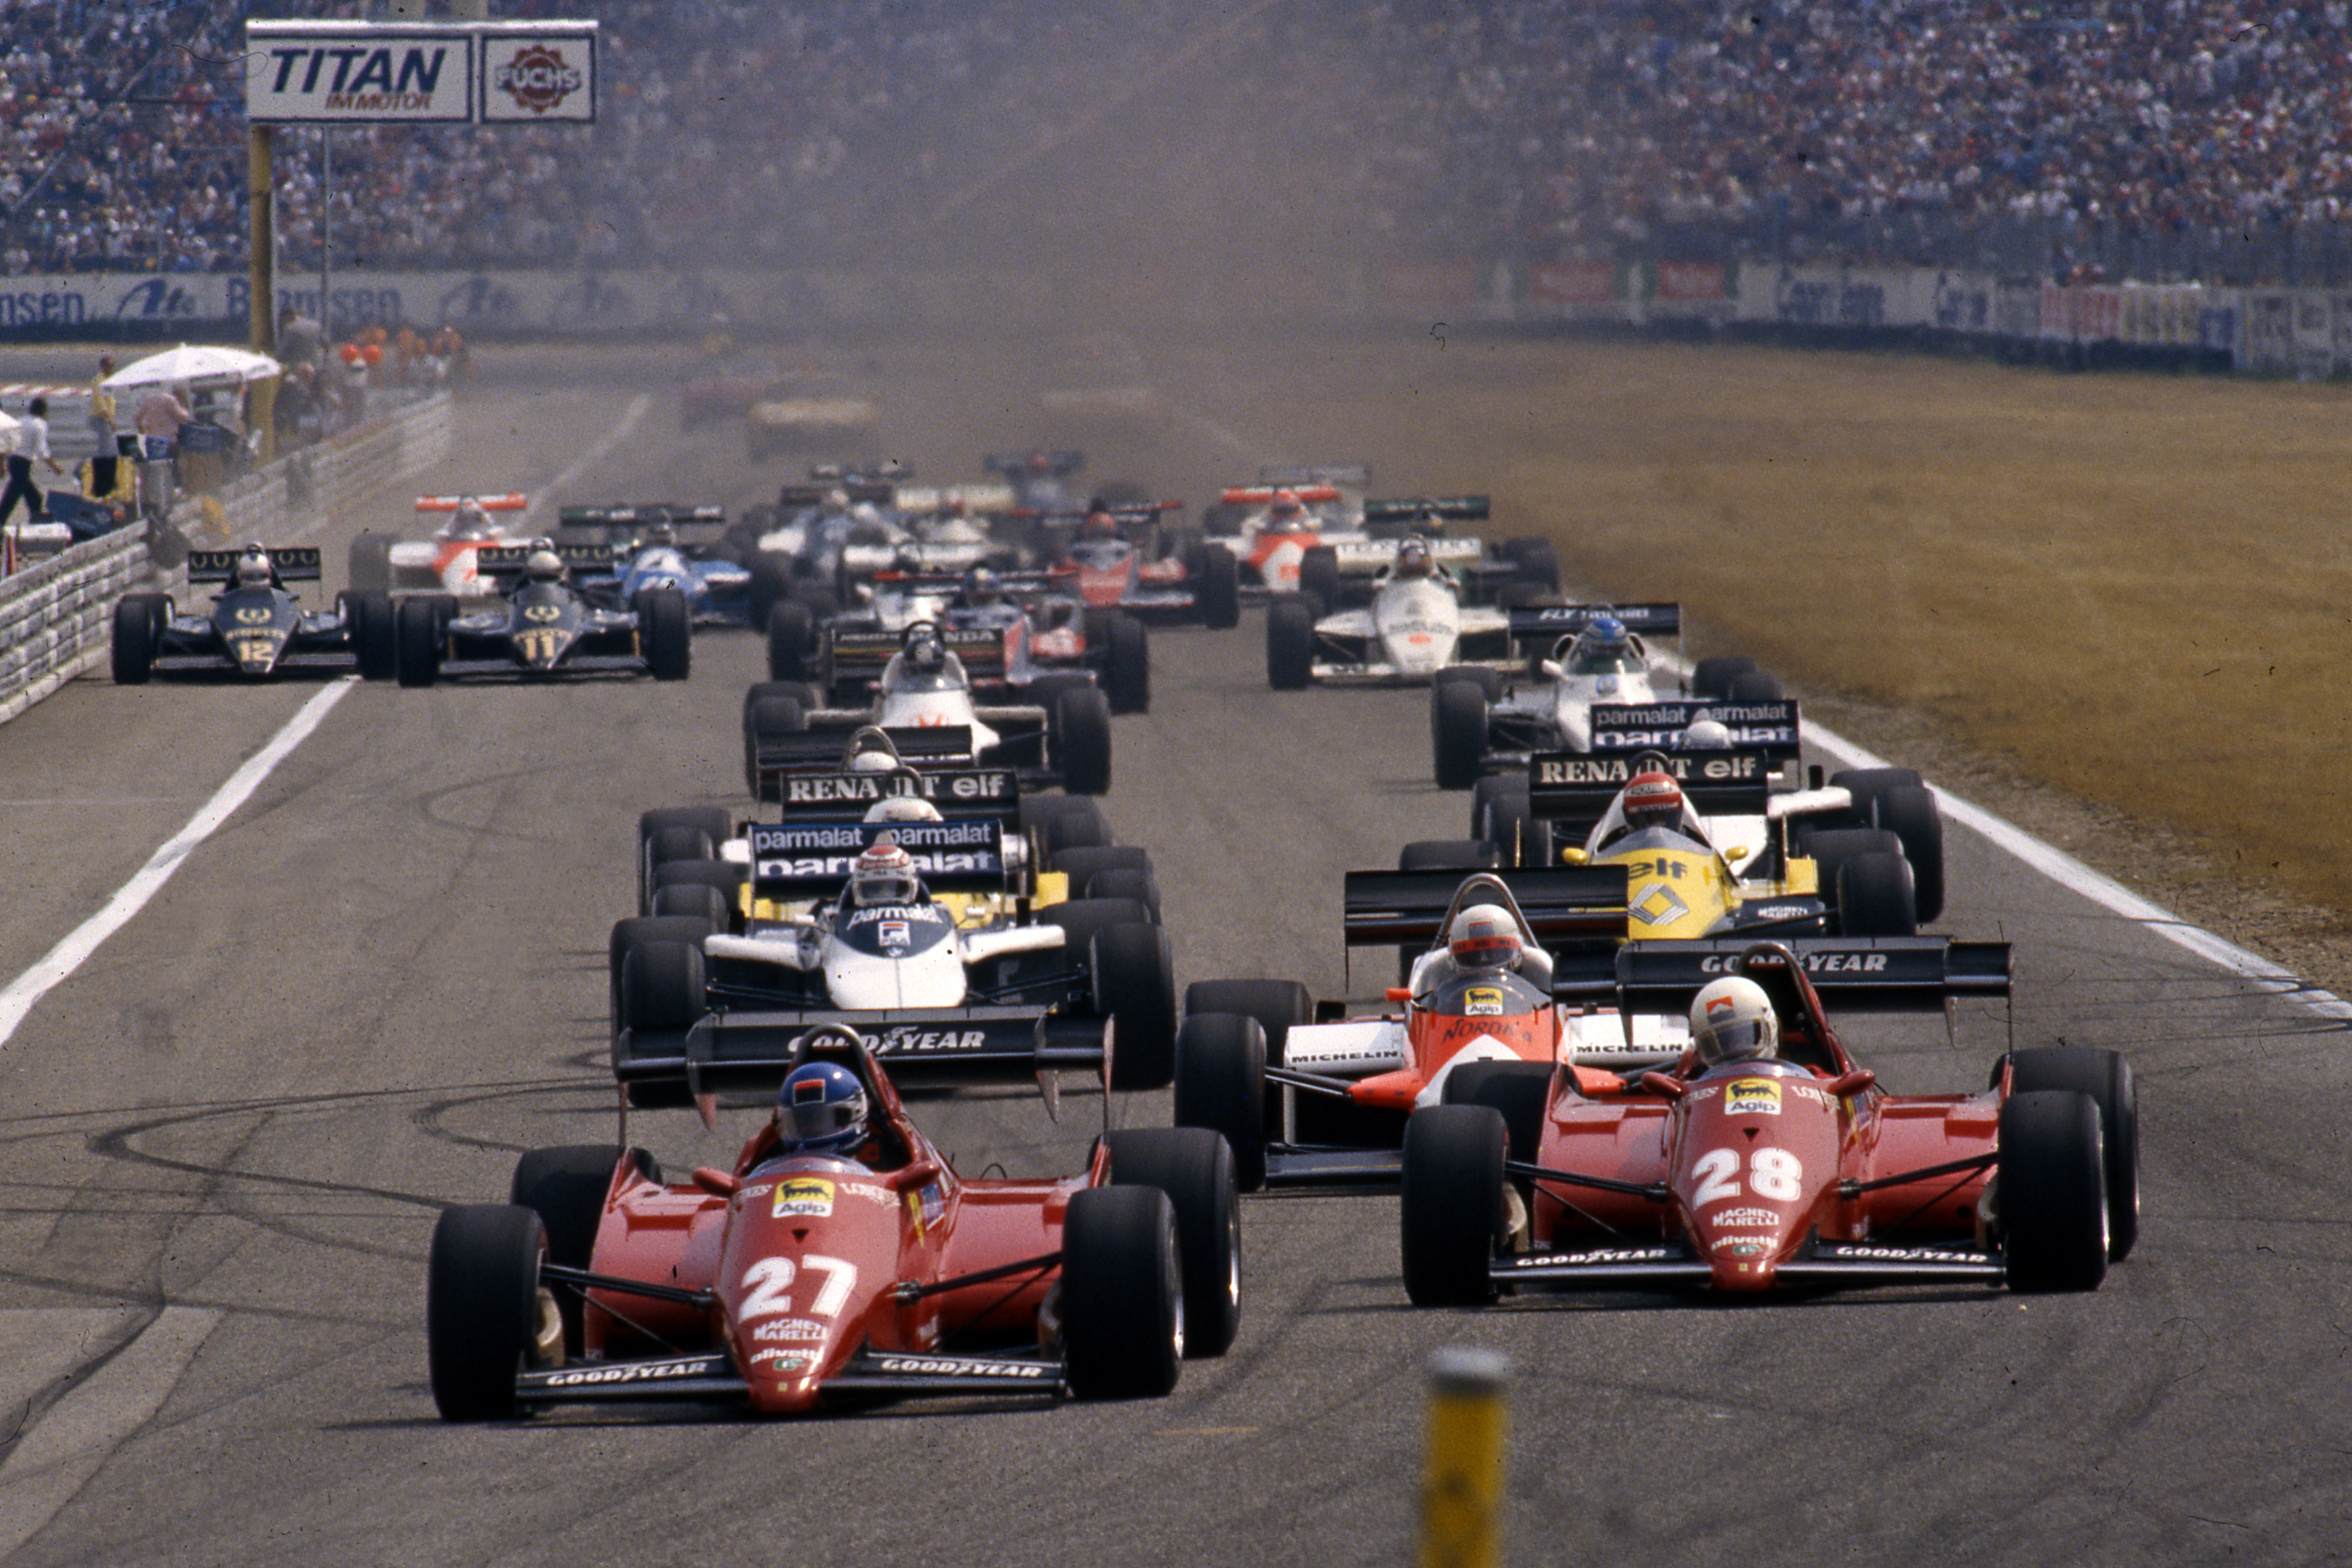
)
(1605, 634)
(821, 1110)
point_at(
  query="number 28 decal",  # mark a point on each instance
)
(766, 1282)
(1771, 1172)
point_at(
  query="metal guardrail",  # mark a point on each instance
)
(53, 615)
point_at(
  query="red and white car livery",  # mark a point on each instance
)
(448, 562)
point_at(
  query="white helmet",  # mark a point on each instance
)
(902, 808)
(253, 567)
(871, 751)
(885, 874)
(1484, 936)
(1732, 1021)
(1709, 735)
(543, 564)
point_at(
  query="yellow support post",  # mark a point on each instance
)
(1462, 1479)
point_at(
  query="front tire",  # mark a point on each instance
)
(1449, 1216)
(2106, 1078)
(1082, 738)
(135, 639)
(417, 634)
(1457, 733)
(1219, 593)
(1289, 643)
(2054, 1196)
(665, 629)
(1135, 986)
(1122, 1294)
(481, 1308)
(1221, 1086)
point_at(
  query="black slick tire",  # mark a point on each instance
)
(1289, 643)
(1122, 1294)
(1457, 733)
(1194, 1167)
(1221, 1085)
(133, 655)
(2053, 1192)
(1449, 1212)
(481, 1308)
(2106, 1078)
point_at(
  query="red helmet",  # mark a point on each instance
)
(1286, 508)
(1654, 800)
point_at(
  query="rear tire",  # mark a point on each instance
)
(1135, 986)
(417, 634)
(565, 1187)
(1319, 576)
(1712, 678)
(2106, 1078)
(481, 1308)
(1449, 1214)
(665, 632)
(1122, 1294)
(1082, 740)
(1756, 685)
(1195, 1168)
(2053, 1199)
(1875, 896)
(767, 721)
(1289, 643)
(1457, 733)
(368, 568)
(1127, 665)
(1219, 592)
(792, 633)
(1516, 1092)
(1221, 1085)
(1895, 800)
(135, 639)
(1487, 679)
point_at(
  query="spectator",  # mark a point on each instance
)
(32, 442)
(162, 414)
(103, 452)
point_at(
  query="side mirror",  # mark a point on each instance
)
(1659, 1083)
(1849, 1084)
(1552, 670)
(1574, 855)
(717, 1184)
(1737, 853)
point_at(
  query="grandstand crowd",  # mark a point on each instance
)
(802, 134)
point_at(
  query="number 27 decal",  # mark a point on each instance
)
(766, 1282)
(1773, 1173)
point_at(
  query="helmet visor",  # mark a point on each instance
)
(817, 1120)
(1735, 1039)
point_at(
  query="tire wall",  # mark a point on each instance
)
(54, 614)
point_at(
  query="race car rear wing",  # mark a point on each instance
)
(1767, 727)
(1365, 556)
(514, 501)
(1293, 475)
(957, 794)
(797, 497)
(1409, 510)
(1565, 906)
(626, 526)
(1853, 975)
(1259, 495)
(819, 751)
(509, 559)
(748, 1054)
(1578, 787)
(1060, 464)
(293, 564)
(889, 473)
(976, 497)
(980, 649)
(1545, 623)
(797, 858)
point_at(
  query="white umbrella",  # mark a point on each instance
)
(201, 362)
(9, 421)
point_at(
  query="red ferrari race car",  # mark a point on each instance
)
(1766, 1157)
(842, 1259)
(1343, 1086)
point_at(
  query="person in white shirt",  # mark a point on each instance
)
(32, 435)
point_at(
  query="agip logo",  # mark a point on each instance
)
(538, 78)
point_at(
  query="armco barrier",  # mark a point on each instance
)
(53, 616)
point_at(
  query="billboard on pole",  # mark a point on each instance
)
(363, 73)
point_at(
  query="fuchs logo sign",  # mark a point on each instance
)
(544, 75)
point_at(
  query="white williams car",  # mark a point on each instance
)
(1414, 624)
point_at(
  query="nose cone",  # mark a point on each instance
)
(784, 1379)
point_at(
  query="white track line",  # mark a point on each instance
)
(71, 953)
(2106, 891)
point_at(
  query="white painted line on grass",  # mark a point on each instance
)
(2102, 890)
(70, 954)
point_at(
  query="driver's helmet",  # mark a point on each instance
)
(543, 564)
(981, 588)
(871, 751)
(926, 654)
(902, 808)
(952, 504)
(836, 499)
(1603, 640)
(1652, 800)
(1484, 936)
(471, 522)
(907, 564)
(253, 567)
(1285, 511)
(661, 533)
(1100, 522)
(1412, 559)
(821, 1110)
(1732, 1021)
(885, 874)
(1707, 735)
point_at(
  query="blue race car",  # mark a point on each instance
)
(663, 546)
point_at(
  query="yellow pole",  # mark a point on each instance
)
(1462, 1479)
(260, 188)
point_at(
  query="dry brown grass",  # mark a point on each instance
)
(2134, 586)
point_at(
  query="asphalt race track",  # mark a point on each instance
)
(228, 1131)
